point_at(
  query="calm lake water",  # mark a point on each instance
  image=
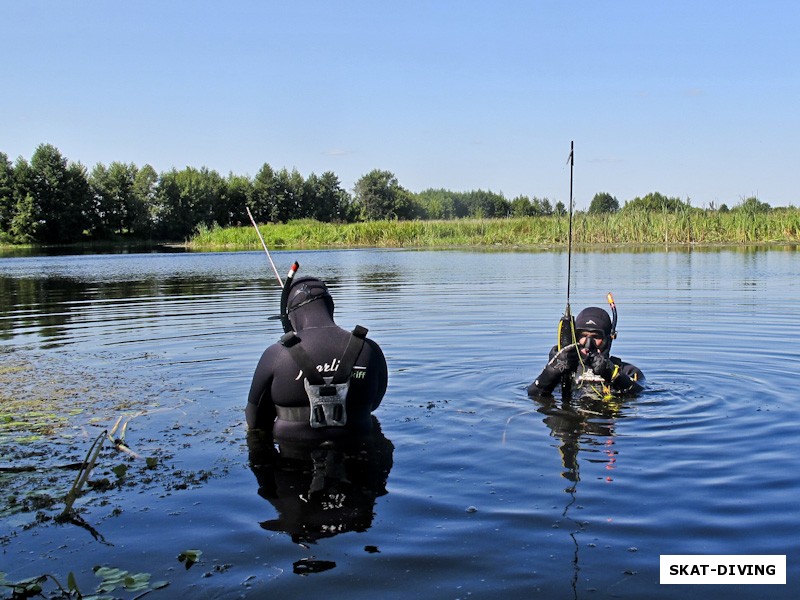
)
(472, 490)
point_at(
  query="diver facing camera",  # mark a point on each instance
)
(587, 361)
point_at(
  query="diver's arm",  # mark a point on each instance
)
(378, 360)
(260, 416)
(544, 384)
(623, 378)
(260, 409)
(561, 362)
(629, 380)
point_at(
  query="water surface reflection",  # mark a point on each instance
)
(585, 426)
(324, 489)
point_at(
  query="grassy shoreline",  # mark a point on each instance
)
(635, 229)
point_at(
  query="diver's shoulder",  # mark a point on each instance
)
(628, 368)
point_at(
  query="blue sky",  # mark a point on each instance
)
(693, 99)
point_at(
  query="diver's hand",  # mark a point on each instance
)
(565, 360)
(600, 365)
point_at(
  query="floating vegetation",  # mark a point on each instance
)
(100, 438)
(56, 458)
(23, 417)
(112, 579)
(37, 401)
(189, 557)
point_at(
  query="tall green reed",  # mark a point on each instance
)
(689, 226)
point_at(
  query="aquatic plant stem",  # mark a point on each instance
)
(83, 474)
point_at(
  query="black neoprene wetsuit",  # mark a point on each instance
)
(278, 401)
(629, 380)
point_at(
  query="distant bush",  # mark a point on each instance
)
(656, 202)
(603, 203)
(752, 205)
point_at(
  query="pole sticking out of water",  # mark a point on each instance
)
(566, 325)
(253, 221)
(569, 251)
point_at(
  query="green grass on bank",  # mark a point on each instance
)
(636, 228)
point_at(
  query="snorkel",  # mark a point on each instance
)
(613, 334)
(287, 325)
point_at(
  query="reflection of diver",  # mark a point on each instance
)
(585, 420)
(321, 489)
(579, 420)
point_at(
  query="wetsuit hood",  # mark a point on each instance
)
(596, 319)
(302, 306)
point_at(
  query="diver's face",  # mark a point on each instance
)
(594, 339)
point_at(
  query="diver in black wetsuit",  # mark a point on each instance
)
(320, 382)
(589, 360)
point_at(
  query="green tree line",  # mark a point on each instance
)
(51, 200)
